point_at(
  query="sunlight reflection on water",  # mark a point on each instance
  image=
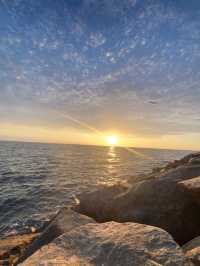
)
(37, 179)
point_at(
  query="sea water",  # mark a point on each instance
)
(36, 180)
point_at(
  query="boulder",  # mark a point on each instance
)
(185, 160)
(64, 221)
(111, 244)
(191, 159)
(192, 251)
(175, 169)
(195, 160)
(192, 186)
(12, 247)
(159, 202)
(91, 203)
(181, 173)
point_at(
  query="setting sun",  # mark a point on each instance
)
(112, 140)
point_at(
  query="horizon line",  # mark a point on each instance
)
(96, 145)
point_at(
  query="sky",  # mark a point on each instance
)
(75, 71)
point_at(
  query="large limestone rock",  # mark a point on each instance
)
(192, 186)
(111, 244)
(64, 221)
(93, 204)
(159, 202)
(192, 251)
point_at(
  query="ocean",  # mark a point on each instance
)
(36, 180)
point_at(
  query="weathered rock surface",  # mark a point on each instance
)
(189, 160)
(111, 244)
(64, 221)
(195, 160)
(12, 247)
(181, 173)
(192, 186)
(192, 250)
(159, 202)
(91, 203)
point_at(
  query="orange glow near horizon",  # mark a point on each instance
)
(32, 133)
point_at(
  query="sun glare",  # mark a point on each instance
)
(112, 140)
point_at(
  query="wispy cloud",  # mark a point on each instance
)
(135, 63)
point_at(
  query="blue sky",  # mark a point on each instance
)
(130, 66)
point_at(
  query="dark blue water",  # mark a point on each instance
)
(37, 179)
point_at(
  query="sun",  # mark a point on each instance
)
(112, 140)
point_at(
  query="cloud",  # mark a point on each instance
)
(131, 65)
(96, 40)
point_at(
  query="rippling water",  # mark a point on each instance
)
(37, 179)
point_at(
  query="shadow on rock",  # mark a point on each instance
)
(111, 244)
(159, 202)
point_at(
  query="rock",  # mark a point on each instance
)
(192, 251)
(150, 262)
(175, 170)
(64, 221)
(156, 170)
(159, 202)
(185, 160)
(191, 159)
(33, 229)
(111, 244)
(181, 173)
(12, 247)
(91, 203)
(194, 161)
(192, 186)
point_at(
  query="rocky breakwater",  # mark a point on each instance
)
(158, 201)
(155, 221)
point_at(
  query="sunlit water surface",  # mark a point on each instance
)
(37, 179)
